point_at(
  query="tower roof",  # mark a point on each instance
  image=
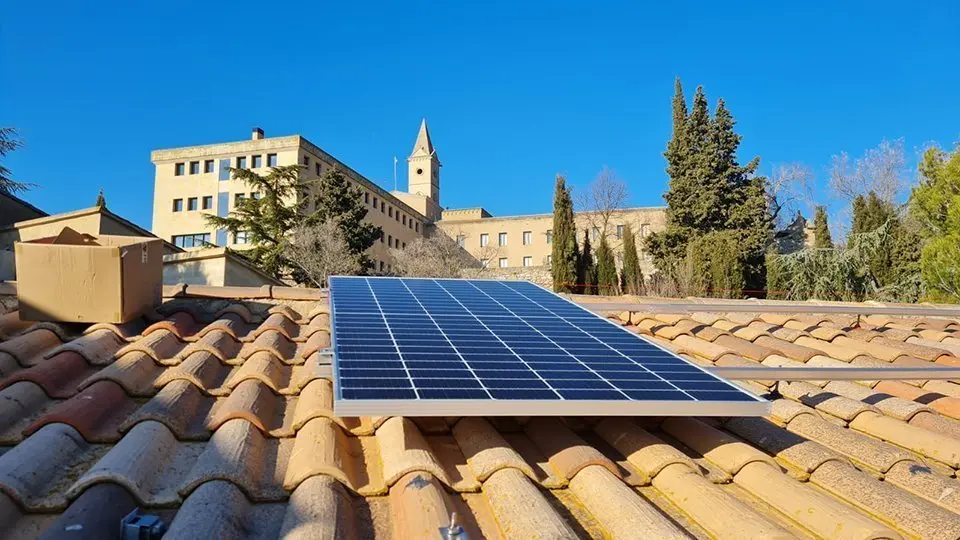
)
(424, 146)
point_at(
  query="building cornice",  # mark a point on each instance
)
(217, 149)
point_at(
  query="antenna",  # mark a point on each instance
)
(394, 173)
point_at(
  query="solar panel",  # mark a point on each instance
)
(457, 347)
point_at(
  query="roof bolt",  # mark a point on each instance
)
(454, 531)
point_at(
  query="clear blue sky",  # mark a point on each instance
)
(514, 92)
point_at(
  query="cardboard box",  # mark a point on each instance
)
(74, 277)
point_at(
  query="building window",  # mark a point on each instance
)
(238, 199)
(257, 161)
(396, 216)
(550, 236)
(404, 220)
(192, 204)
(207, 202)
(271, 160)
(595, 233)
(528, 261)
(366, 198)
(242, 162)
(461, 240)
(527, 238)
(191, 240)
(416, 226)
(484, 239)
(178, 205)
(194, 167)
(381, 236)
(502, 239)
(389, 240)
(383, 207)
(644, 230)
(619, 232)
(374, 203)
(390, 211)
(208, 166)
(242, 237)
(485, 263)
(255, 195)
(503, 262)
(410, 223)
(381, 266)
(317, 166)
(306, 161)
(404, 245)
(396, 243)
(178, 169)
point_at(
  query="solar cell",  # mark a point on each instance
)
(438, 347)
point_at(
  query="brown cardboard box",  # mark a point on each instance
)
(76, 277)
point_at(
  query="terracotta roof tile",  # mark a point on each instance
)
(58, 376)
(786, 348)
(485, 449)
(566, 452)
(95, 514)
(20, 405)
(202, 369)
(240, 453)
(29, 348)
(11, 325)
(231, 323)
(134, 371)
(754, 351)
(322, 448)
(179, 323)
(97, 347)
(725, 451)
(180, 406)
(916, 439)
(403, 449)
(521, 510)
(706, 349)
(96, 413)
(161, 345)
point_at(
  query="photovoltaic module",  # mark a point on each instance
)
(460, 347)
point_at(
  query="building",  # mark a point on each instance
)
(524, 241)
(196, 180)
(193, 181)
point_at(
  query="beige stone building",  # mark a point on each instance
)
(196, 180)
(517, 241)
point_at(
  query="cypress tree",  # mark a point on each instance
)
(632, 282)
(821, 231)
(607, 280)
(859, 215)
(586, 268)
(564, 256)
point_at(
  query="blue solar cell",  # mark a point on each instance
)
(438, 339)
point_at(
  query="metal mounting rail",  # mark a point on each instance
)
(763, 373)
(746, 307)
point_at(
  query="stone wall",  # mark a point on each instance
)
(536, 274)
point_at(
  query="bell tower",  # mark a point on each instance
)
(423, 167)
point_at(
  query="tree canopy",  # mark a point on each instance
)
(711, 192)
(564, 253)
(935, 205)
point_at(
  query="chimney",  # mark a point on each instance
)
(257, 134)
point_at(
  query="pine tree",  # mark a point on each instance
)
(267, 220)
(935, 207)
(607, 280)
(564, 256)
(10, 141)
(336, 201)
(632, 282)
(101, 200)
(821, 231)
(586, 268)
(857, 226)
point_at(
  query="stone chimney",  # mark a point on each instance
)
(257, 134)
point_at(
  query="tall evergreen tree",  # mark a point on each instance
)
(10, 141)
(821, 230)
(268, 220)
(859, 215)
(632, 281)
(586, 268)
(935, 206)
(711, 192)
(607, 280)
(564, 255)
(336, 201)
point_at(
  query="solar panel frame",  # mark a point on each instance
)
(445, 372)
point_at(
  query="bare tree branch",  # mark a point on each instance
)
(436, 256)
(881, 170)
(321, 251)
(604, 197)
(789, 189)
